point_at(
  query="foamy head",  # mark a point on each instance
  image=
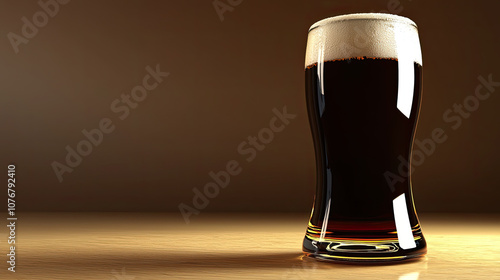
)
(357, 35)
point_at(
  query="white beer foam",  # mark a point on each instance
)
(357, 35)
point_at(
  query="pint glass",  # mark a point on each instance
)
(363, 85)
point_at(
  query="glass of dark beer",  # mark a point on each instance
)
(363, 86)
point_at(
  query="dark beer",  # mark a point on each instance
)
(363, 111)
(359, 135)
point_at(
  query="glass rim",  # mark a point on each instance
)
(363, 16)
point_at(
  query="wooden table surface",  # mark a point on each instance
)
(128, 246)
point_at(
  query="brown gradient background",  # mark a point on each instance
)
(225, 79)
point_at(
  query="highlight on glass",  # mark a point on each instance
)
(363, 88)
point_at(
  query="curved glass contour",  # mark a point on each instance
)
(363, 86)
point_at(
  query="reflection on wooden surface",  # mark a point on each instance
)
(236, 246)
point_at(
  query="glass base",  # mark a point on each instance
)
(362, 251)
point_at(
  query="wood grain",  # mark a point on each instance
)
(123, 246)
